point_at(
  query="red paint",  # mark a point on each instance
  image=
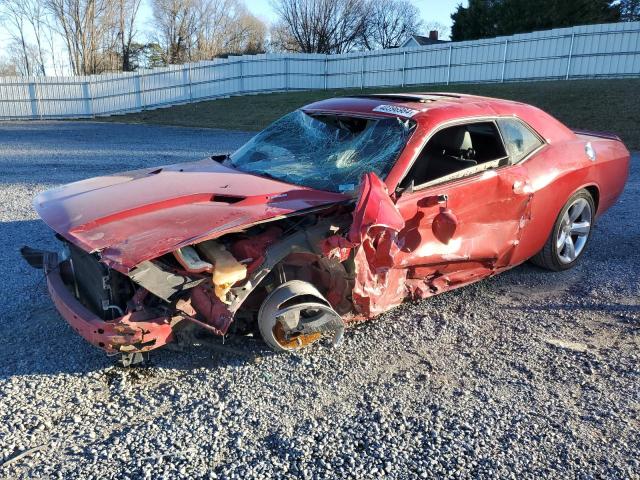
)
(374, 209)
(251, 249)
(405, 245)
(444, 225)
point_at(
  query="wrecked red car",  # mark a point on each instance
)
(337, 212)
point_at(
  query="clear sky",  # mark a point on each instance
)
(432, 10)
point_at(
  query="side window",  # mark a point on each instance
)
(520, 140)
(456, 149)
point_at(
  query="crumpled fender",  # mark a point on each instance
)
(374, 234)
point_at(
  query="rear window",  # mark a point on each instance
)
(519, 139)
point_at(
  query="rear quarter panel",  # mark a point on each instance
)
(559, 170)
(611, 169)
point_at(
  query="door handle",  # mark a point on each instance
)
(443, 198)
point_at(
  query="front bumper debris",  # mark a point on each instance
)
(134, 332)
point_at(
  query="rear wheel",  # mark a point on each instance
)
(570, 234)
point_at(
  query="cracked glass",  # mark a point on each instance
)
(325, 152)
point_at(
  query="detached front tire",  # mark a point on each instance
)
(570, 235)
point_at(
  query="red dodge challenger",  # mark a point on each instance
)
(337, 212)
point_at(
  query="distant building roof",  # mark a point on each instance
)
(420, 40)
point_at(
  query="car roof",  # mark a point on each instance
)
(432, 108)
(419, 102)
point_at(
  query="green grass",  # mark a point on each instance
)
(605, 105)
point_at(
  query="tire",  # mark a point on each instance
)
(570, 235)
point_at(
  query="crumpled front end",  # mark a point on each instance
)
(135, 331)
(218, 285)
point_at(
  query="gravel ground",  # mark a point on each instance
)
(527, 374)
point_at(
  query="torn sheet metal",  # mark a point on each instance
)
(376, 224)
(135, 331)
(438, 247)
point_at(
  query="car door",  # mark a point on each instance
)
(459, 231)
(450, 230)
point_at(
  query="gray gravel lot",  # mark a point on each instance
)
(527, 374)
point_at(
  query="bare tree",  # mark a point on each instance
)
(389, 23)
(214, 20)
(27, 19)
(245, 33)
(127, 11)
(192, 30)
(176, 25)
(281, 39)
(8, 68)
(23, 56)
(13, 13)
(321, 26)
(87, 28)
(50, 35)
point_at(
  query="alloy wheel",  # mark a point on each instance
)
(574, 230)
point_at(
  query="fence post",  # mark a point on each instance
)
(504, 59)
(241, 76)
(286, 74)
(186, 79)
(449, 67)
(88, 98)
(404, 68)
(362, 74)
(573, 35)
(141, 91)
(326, 70)
(33, 96)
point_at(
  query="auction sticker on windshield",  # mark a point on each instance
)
(396, 110)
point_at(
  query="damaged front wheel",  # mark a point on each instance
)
(295, 315)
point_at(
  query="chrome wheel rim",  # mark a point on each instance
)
(574, 231)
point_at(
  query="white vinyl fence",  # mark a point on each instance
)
(607, 50)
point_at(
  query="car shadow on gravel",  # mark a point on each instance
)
(39, 341)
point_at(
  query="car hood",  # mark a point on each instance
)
(136, 216)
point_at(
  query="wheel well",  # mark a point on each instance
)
(595, 194)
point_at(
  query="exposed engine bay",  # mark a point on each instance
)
(221, 285)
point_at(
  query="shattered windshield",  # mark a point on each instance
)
(325, 152)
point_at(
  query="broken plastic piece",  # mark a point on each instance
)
(226, 269)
